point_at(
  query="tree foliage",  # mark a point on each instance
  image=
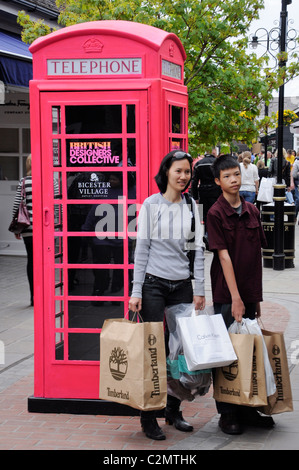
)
(226, 84)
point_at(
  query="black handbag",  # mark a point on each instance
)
(21, 220)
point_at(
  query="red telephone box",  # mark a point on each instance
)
(107, 102)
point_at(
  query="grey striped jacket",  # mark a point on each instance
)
(28, 189)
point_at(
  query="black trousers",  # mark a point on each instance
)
(158, 293)
(28, 241)
(225, 310)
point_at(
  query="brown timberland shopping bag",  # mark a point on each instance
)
(243, 382)
(259, 387)
(282, 400)
(133, 364)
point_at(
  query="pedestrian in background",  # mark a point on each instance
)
(249, 177)
(26, 235)
(290, 157)
(203, 187)
(295, 182)
(286, 173)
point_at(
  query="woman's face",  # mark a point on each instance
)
(179, 175)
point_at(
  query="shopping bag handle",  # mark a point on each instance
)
(208, 311)
(135, 314)
(242, 323)
(261, 322)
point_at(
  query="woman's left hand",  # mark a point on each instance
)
(199, 302)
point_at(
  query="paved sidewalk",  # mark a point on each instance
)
(35, 431)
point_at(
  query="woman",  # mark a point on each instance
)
(262, 169)
(263, 173)
(161, 271)
(250, 178)
(27, 233)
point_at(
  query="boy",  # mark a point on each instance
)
(235, 236)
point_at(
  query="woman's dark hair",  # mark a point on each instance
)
(161, 177)
(224, 162)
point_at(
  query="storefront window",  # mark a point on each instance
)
(9, 168)
(26, 141)
(14, 149)
(9, 139)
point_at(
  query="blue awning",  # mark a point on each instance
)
(15, 60)
(11, 44)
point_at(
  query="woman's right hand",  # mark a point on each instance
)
(135, 304)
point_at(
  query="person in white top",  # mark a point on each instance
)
(250, 178)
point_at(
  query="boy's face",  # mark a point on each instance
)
(230, 180)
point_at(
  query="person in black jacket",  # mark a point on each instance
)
(204, 190)
(286, 169)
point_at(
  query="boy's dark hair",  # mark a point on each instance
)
(161, 177)
(224, 162)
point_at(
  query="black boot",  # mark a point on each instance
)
(174, 416)
(150, 426)
(251, 417)
(230, 424)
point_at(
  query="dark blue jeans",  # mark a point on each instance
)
(225, 310)
(158, 293)
(248, 195)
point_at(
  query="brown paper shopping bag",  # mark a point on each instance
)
(133, 364)
(259, 388)
(281, 401)
(243, 381)
(232, 383)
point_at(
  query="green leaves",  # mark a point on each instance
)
(32, 30)
(226, 85)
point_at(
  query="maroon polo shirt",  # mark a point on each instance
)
(243, 237)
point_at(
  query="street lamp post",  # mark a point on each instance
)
(276, 39)
(266, 136)
(280, 187)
